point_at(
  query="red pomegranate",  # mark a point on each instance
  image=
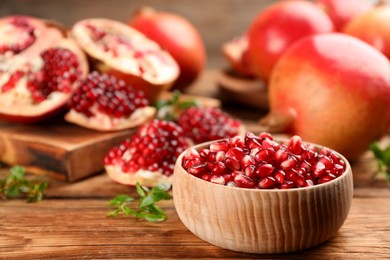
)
(343, 11)
(373, 28)
(104, 103)
(122, 51)
(178, 36)
(331, 89)
(39, 69)
(236, 52)
(276, 28)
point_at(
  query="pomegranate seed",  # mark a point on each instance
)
(288, 163)
(237, 141)
(244, 181)
(220, 156)
(264, 170)
(266, 135)
(319, 169)
(228, 177)
(279, 176)
(247, 160)
(267, 143)
(219, 146)
(266, 155)
(232, 163)
(280, 155)
(217, 180)
(295, 145)
(267, 183)
(287, 185)
(206, 177)
(250, 172)
(236, 152)
(325, 179)
(197, 169)
(231, 184)
(218, 168)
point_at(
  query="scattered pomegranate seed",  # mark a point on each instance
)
(259, 162)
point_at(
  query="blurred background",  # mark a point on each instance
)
(216, 21)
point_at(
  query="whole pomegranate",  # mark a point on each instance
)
(331, 89)
(122, 51)
(373, 28)
(39, 69)
(178, 36)
(343, 11)
(104, 103)
(277, 27)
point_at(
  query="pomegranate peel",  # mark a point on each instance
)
(120, 50)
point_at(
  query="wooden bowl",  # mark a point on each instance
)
(261, 221)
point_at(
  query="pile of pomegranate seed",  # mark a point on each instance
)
(108, 94)
(155, 147)
(259, 162)
(203, 124)
(59, 72)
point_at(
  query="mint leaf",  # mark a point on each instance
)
(146, 209)
(383, 159)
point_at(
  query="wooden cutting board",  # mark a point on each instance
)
(61, 150)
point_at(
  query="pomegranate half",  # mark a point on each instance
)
(276, 28)
(331, 89)
(104, 103)
(178, 36)
(39, 69)
(119, 50)
(149, 156)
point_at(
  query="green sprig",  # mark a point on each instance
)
(16, 185)
(147, 209)
(383, 158)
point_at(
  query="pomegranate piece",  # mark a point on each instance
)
(203, 124)
(39, 69)
(236, 52)
(292, 171)
(184, 42)
(149, 156)
(117, 49)
(104, 103)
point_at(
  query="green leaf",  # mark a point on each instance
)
(383, 160)
(113, 213)
(120, 199)
(152, 217)
(17, 173)
(140, 190)
(12, 191)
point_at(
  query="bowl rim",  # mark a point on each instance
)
(345, 174)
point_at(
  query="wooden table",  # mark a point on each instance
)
(71, 222)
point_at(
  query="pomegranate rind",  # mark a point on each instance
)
(103, 122)
(126, 67)
(11, 109)
(144, 177)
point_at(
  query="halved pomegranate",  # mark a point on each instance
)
(236, 52)
(119, 50)
(105, 103)
(39, 69)
(149, 156)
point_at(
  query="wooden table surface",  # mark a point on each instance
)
(71, 222)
